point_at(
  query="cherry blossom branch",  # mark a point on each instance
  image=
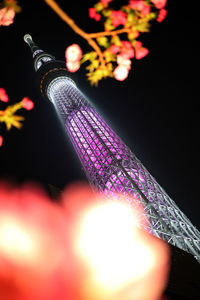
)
(135, 19)
(109, 33)
(8, 115)
(58, 10)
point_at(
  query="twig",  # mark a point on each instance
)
(56, 8)
(107, 33)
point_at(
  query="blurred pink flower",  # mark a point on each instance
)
(73, 53)
(27, 103)
(146, 10)
(120, 72)
(161, 15)
(73, 56)
(126, 44)
(105, 1)
(127, 51)
(6, 16)
(114, 49)
(48, 251)
(159, 3)
(123, 61)
(73, 66)
(93, 14)
(3, 95)
(141, 6)
(140, 51)
(32, 245)
(138, 44)
(118, 17)
(1, 140)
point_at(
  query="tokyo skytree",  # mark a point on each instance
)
(109, 164)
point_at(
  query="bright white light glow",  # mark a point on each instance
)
(110, 244)
(15, 240)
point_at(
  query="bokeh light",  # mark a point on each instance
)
(84, 248)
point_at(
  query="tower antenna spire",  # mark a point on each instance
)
(40, 58)
(28, 39)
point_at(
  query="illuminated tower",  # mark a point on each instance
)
(108, 163)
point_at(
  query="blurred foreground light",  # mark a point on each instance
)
(33, 245)
(123, 261)
(111, 245)
(80, 250)
(15, 241)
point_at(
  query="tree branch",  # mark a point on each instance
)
(56, 8)
(107, 33)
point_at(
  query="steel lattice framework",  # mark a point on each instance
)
(109, 164)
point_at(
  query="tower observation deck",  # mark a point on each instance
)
(108, 163)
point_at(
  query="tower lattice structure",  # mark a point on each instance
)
(109, 164)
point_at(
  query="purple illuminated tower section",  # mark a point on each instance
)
(108, 163)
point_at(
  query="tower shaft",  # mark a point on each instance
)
(112, 168)
(108, 163)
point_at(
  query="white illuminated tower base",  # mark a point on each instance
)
(108, 163)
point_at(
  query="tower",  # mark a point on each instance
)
(108, 163)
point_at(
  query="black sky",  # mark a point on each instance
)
(155, 111)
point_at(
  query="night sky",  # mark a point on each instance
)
(155, 111)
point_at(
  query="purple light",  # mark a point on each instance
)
(112, 168)
(109, 164)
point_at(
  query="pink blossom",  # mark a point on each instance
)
(105, 1)
(93, 14)
(141, 52)
(97, 17)
(118, 17)
(146, 10)
(6, 16)
(126, 44)
(141, 6)
(138, 44)
(123, 61)
(120, 73)
(114, 49)
(3, 95)
(159, 3)
(73, 53)
(27, 103)
(137, 4)
(127, 51)
(161, 15)
(73, 66)
(1, 140)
